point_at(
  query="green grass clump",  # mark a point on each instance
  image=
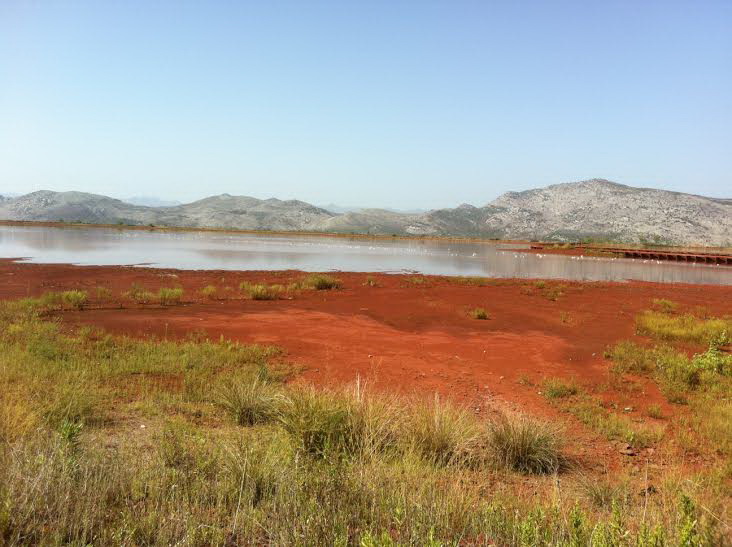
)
(556, 388)
(603, 493)
(554, 292)
(209, 291)
(51, 300)
(320, 282)
(170, 296)
(630, 357)
(654, 411)
(74, 299)
(479, 313)
(470, 280)
(261, 291)
(664, 306)
(525, 445)
(445, 434)
(103, 293)
(249, 401)
(139, 294)
(319, 423)
(682, 328)
(344, 423)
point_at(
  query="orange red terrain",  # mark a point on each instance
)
(405, 334)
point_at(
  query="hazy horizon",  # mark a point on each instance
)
(407, 105)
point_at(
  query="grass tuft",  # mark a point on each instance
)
(170, 296)
(249, 401)
(654, 411)
(103, 293)
(525, 445)
(74, 299)
(556, 388)
(139, 295)
(318, 423)
(470, 280)
(664, 306)
(320, 282)
(479, 313)
(261, 291)
(443, 434)
(209, 291)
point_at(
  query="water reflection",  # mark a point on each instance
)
(204, 250)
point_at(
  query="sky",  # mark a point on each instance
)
(381, 104)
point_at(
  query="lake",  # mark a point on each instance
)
(235, 251)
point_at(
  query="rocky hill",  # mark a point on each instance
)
(604, 209)
(224, 211)
(74, 206)
(594, 208)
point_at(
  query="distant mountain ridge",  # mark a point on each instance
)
(339, 209)
(151, 201)
(594, 208)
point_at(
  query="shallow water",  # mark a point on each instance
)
(225, 251)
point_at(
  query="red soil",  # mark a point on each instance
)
(398, 335)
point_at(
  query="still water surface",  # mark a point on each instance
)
(213, 251)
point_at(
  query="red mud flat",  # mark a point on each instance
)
(399, 335)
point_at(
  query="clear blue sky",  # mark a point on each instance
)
(394, 103)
